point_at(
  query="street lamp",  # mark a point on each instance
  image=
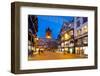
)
(37, 38)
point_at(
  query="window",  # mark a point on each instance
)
(77, 17)
(71, 32)
(84, 19)
(85, 29)
(79, 32)
(79, 42)
(85, 40)
(78, 23)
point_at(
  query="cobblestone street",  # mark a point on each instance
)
(57, 37)
(48, 55)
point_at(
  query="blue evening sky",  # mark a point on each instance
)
(53, 22)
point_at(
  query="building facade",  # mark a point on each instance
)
(81, 35)
(32, 36)
(73, 37)
(66, 38)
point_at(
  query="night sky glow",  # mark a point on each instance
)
(53, 22)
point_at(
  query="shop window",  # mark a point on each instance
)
(71, 50)
(85, 29)
(85, 40)
(62, 44)
(79, 42)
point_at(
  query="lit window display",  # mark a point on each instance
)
(76, 50)
(79, 32)
(79, 50)
(66, 42)
(37, 49)
(85, 29)
(66, 36)
(71, 44)
(63, 44)
(85, 40)
(79, 42)
(62, 49)
(33, 48)
(62, 38)
(66, 49)
(85, 48)
(71, 50)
